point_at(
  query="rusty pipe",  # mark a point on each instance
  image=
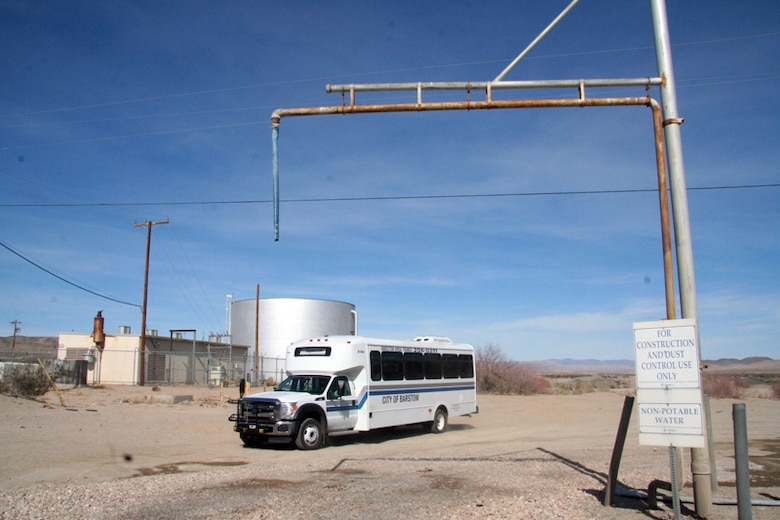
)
(581, 101)
(278, 114)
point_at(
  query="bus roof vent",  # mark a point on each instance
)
(433, 339)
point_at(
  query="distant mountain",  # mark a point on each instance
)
(752, 365)
(46, 347)
(36, 346)
(748, 365)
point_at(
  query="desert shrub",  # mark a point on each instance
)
(776, 390)
(723, 386)
(577, 386)
(583, 387)
(27, 380)
(498, 375)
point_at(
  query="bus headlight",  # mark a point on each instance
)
(286, 411)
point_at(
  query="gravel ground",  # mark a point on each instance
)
(126, 453)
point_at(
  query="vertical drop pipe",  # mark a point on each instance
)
(275, 163)
(744, 508)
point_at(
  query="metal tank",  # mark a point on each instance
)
(284, 320)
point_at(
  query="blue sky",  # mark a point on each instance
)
(117, 113)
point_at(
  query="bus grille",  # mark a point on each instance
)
(257, 412)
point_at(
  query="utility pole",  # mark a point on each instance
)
(700, 463)
(257, 335)
(148, 225)
(17, 329)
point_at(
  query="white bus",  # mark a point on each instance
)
(342, 385)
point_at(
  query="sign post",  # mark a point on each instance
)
(668, 389)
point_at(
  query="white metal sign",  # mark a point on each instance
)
(669, 397)
(666, 354)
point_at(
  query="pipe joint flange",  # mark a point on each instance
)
(674, 121)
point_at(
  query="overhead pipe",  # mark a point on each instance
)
(581, 101)
(494, 85)
(278, 114)
(419, 87)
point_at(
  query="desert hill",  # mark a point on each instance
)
(28, 346)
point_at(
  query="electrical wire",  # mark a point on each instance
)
(370, 73)
(77, 286)
(382, 198)
(683, 84)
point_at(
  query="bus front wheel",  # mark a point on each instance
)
(310, 435)
(439, 424)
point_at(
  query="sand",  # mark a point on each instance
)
(543, 456)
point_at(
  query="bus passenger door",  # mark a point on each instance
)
(341, 405)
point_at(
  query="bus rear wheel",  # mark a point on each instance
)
(310, 435)
(439, 424)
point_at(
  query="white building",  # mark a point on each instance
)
(170, 360)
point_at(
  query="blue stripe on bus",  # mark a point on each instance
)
(349, 407)
(422, 390)
(401, 391)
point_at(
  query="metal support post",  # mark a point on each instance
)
(744, 508)
(700, 465)
(617, 451)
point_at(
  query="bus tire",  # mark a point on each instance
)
(310, 435)
(439, 424)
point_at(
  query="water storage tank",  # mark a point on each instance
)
(284, 320)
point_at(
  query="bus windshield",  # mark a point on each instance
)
(314, 385)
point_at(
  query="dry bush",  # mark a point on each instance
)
(27, 380)
(583, 387)
(498, 375)
(776, 390)
(723, 386)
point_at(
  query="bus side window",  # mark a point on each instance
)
(344, 388)
(413, 365)
(339, 388)
(450, 366)
(466, 365)
(392, 366)
(432, 364)
(376, 366)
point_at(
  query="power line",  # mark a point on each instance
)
(684, 84)
(366, 73)
(77, 286)
(135, 117)
(384, 198)
(142, 134)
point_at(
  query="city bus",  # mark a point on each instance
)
(341, 385)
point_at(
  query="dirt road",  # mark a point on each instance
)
(129, 453)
